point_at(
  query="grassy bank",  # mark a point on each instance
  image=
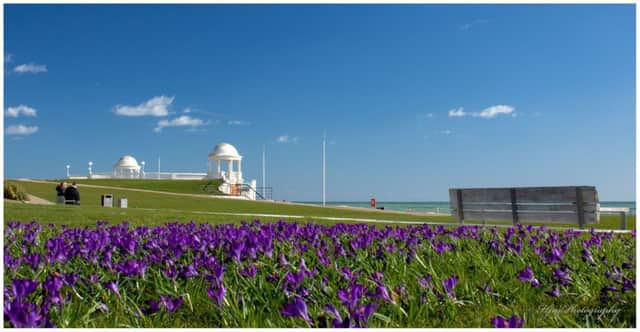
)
(155, 209)
(182, 186)
(143, 207)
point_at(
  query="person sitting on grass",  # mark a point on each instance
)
(60, 192)
(72, 195)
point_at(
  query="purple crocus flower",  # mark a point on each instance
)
(292, 280)
(283, 260)
(23, 287)
(426, 281)
(337, 321)
(526, 275)
(604, 293)
(170, 303)
(217, 293)
(71, 279)
(189, 271)
(382, 293)
(218, 273)
(170, 272)
(33, 260)
(249, 271)
(562, 276)
(449, 284)
(377, 276)
(487, 290)
(586, 257)
(297, 308)
(349, 275)
(351, 296)
(628, 284)
(362, 313)
(23, 314)
(52, 286)
(154, 306)
(237, 247)
(555, 292)
(113, 286)
(513, 322)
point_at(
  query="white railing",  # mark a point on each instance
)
(232, 177)
(151, 176)
(174, 176)
(623, 212)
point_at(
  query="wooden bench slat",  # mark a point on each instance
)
(527, 195)
(529, 217)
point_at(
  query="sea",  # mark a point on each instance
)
(442, 207)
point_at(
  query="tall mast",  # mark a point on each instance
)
(324, 154)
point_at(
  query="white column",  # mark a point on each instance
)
(239, 167)
(218, 162)
(230, 168)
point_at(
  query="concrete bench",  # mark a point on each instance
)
(570, 205)
(62, 200)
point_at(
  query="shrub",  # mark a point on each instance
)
(14, 192)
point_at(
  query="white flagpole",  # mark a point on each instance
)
(324, 187)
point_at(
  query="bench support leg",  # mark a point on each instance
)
(623, 220)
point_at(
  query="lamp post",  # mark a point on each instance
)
(142, 173)
(68, 166)
(90, 164)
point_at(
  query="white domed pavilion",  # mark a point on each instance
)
(225, 153)
(126, 167)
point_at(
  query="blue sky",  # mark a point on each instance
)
(415, 99)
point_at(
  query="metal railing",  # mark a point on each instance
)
(623, 212)
(262, 193)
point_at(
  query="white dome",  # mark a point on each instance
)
(224, 151)
(127, 162)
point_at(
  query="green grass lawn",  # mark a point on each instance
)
(175, 186)
(166, 207)
(154, 209)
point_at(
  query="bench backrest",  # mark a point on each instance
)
(577, 205)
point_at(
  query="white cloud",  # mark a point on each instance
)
(187, 110)
(238, 123)
(30, 68)
(446, 132)
(457, 112)
(8, 58)
(156, 106)
(15, 112)
(182, 121)
(493, 111)
(284, 139)
(469, 25)
(20, 130)
(428, 115)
